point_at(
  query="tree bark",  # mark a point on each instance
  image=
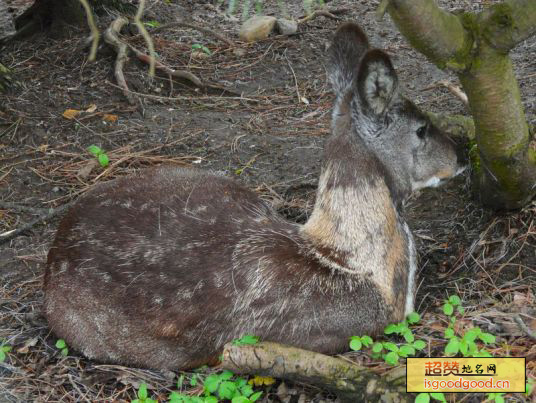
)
(476, 48)
(351, 382)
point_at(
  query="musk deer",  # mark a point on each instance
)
(162, 268)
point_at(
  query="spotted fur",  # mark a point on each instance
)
(162, 268)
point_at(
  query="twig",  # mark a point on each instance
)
(524, 327)
(454, 89)
(18, 207)
(197, 28)
(52, 213)
(111, 38)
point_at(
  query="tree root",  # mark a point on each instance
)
(329, 13)
(111, 37)
(348, 380)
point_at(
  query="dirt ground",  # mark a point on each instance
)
(266, 130)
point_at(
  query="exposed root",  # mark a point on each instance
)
(111, 37)
(349, 381)
(174, 73)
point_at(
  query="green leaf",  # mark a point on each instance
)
(455, 300)
(448, 309)
(211, 383)
(142, 391)
(246, 340)
(180, 381)
(406, 350)
(464, 347)
(390, 346)
(64, 351)
(193, 380)
(226, 375)
(227, 390)
(377, 347)
(413, 318)
(422, 398)
(93, 149)
(6, 349)
(419, 344)
(60, 343)
(408, 336)
(240, 399)
(529, 386)
(453, 320)
(470, 335)
(103, 160)
(366, 340)
(449, 333)
(483, 353)
(210, 399)
(246, 390)
(355, 344)
(392, 358)
(438, 396)
(460, 309)
(487, 338)
(453, 346)
(255, 396)
(390, 329)
(152, 24)
(499, 398)
(2, 356)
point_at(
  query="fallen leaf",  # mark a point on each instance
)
(92, 108)
(84, 172)
(71, 113)
(261, 380)
(27, 344)
(110, 118)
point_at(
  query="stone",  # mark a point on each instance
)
(257, 28)
(287, 27)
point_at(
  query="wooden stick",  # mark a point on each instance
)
(351, 382)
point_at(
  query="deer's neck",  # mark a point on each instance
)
(354, 221)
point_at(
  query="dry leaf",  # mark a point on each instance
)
(110, 118)
(261, 380)
(27, 344)
(71, 113)
(92, 108)
(84, 172)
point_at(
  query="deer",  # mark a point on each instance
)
(160, 268)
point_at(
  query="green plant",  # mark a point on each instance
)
(529, 387)
(4, 348)
(245, 340)
(496, 397)
(425, 397)
(203, 48)
(62, 346)
(218, 387)
(142, 395)
(100, 155)
(152, 24)
(389, 351)
(466, 343)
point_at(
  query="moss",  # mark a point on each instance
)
(474, 156)
(502, 15)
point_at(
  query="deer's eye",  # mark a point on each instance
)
(421, 131)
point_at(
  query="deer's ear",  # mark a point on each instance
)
(348, 45)
(377, 82)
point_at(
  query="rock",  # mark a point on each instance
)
(257, 28)
(287, 27)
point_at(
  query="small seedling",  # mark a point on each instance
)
(247, 339)
(62, 346)
(425, 397)
(100, 155)
(357, 342)
(142, 395)
(198, 46)
(496, 397)
(4, 348)
(152, 24)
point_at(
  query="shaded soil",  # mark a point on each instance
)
(267, 130)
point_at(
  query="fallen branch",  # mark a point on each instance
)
(111, 37)
(6, 236)
(351, 382)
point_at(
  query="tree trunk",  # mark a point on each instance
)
(476, 47)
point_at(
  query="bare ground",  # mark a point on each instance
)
(267, 131)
